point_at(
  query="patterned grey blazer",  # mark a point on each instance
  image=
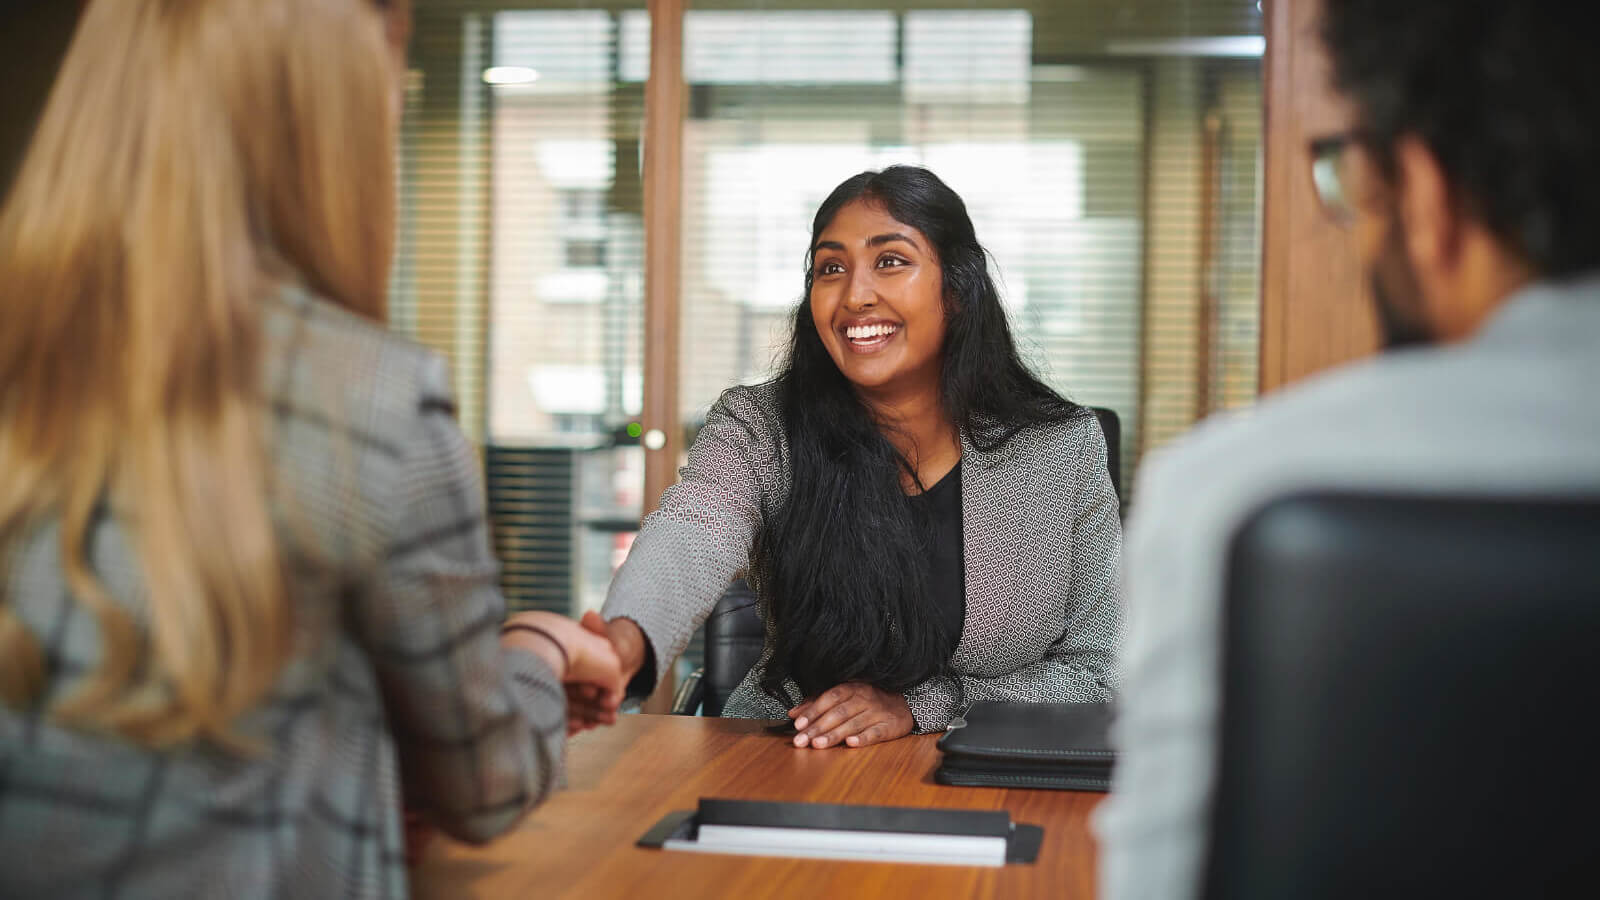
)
(1042, 537)
(398, 675)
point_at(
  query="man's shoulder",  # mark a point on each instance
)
(1326, 409)
(1362, 424)
(1465, 417)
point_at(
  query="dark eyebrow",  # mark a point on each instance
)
(881, 239)
(877, 240)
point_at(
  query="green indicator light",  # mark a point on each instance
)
(634, 429)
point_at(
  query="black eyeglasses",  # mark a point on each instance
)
(1329, 173)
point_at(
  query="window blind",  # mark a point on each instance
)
(1107, 151)
(521, 260)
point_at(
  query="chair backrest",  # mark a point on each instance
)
(1409, 692)
(1111, 426)
(735, 637)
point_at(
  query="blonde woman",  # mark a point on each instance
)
(247, 598)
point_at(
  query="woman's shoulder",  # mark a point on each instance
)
(1061, 455)
(359, 413)
(758, 400)
(753, 409)
(327, 362)
(743, 433)
(1061, 439)
(1073, 431)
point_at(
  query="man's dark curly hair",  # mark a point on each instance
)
(1506, 94)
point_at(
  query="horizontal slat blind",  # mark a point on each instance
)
(1126, 244)
(1073, 131)
(521, 259)
(531, 505)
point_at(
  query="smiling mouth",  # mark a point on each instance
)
(867, 338)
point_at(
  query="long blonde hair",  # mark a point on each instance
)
(192, 154)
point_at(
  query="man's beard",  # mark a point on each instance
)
(1401, 317)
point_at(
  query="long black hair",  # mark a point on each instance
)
(842, 563)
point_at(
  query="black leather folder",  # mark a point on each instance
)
(1061, 746)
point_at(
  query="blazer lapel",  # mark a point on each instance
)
(992, 484)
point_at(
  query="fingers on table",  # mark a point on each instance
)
(810, 711)
(876, 733)
(852, 728)
(822, 732)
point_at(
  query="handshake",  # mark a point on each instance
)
(593, 658)
(596, 659)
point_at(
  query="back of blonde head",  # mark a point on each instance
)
(192, 154)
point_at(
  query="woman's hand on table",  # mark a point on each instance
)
(851, 715)
(587, 664)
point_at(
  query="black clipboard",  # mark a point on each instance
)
(1022, 841)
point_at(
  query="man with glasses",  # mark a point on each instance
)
(1470, 178)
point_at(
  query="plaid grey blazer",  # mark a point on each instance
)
(1042, 538)
(398, 676)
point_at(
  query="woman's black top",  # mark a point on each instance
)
(941, 506)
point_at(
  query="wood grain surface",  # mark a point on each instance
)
(1316, 310)
(621, 780)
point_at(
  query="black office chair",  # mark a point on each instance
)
(1411, 688)
(1111, 425)
(735, 637)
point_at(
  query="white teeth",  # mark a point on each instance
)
(867, 332)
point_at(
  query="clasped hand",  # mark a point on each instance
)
(851, 714)
(586, 662)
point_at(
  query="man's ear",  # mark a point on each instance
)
(1428, 212)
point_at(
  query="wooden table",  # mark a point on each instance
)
(621, 780)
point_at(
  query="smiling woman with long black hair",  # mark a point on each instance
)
(925, 522)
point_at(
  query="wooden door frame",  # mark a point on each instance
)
(1316, 310)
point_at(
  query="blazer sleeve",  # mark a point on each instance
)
(1080, 664)
(479, 729)
(688, 551)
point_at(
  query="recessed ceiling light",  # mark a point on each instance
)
(510, 75)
